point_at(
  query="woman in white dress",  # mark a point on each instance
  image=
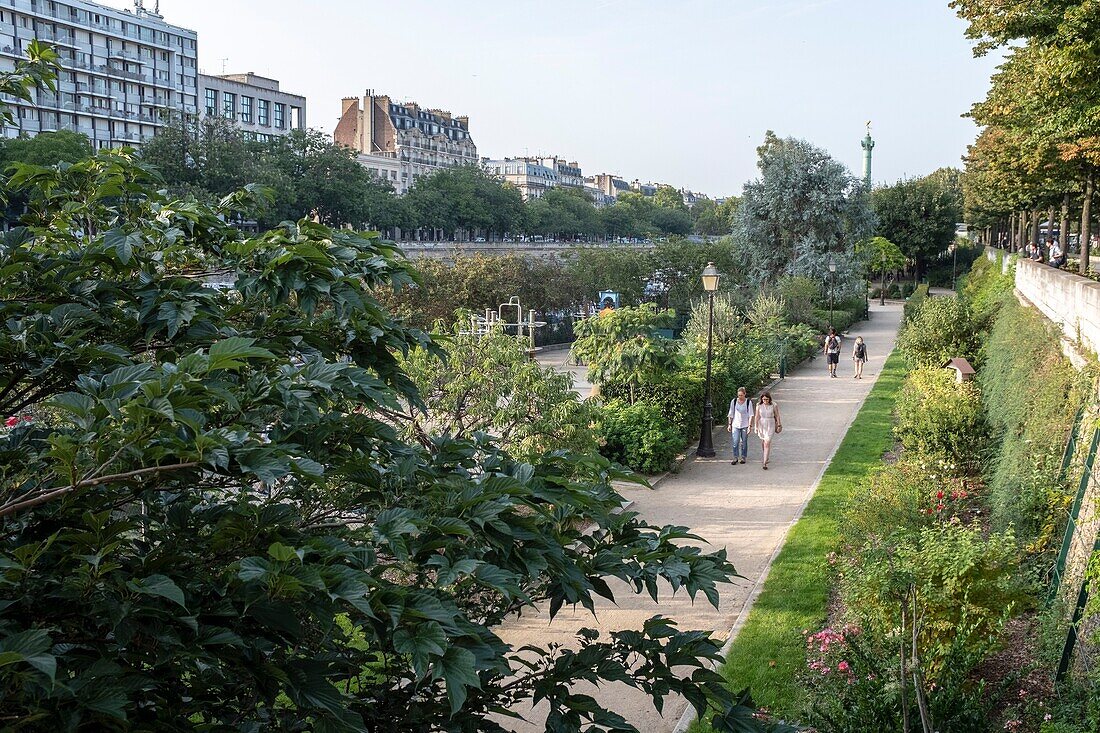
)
(768, 423)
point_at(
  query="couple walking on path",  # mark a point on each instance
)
(832, 354)
(744, 418)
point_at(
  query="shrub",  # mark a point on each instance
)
(824, 319)
(964, 585)
(638, 436)
(938, 416)
(985, 289)
(914, 302)
(800, 294)
(940, 329)
(1031, 394)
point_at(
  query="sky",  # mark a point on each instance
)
(670, 91)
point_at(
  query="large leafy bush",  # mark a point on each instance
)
(939, 329)
(639, 436)
(938, 416)
(209, 520)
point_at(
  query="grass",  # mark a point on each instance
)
(769, 651)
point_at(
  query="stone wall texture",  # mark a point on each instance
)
(1070, 301)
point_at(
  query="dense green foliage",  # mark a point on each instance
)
(208, 518)
(919, 215)
(1031, 395)
(940, 329)
(938, 416)
(305, 172)
(489, 384)
(638, 435)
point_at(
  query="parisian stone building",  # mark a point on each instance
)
(255, 103)
(421, 140)
(125, 72)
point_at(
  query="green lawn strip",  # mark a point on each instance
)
(769, 652)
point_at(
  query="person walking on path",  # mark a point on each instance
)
(768, 423)
(741, 420)
(832, 351)
(859, 357)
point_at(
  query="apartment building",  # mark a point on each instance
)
(124, 71)
(531, 177)
(422, 141)
(568, 172)
(255, 103)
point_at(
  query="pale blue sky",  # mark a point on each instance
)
(676, 91)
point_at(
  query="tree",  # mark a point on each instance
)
(46, 148)
(488, 383)
(625, 346)
(466, 197)
(304, 172)
(804, 207)
(668, 197)
(713, 219)
(919, 215)
(207, 519)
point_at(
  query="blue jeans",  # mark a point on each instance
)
(740, 442)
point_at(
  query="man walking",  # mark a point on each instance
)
(832, 351)
(741, 417)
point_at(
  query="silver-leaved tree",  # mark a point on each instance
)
(804, 207)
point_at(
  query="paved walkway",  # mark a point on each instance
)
(742, 508)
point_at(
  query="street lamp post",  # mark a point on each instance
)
(706, 437)
(882, 291)
(832, 286)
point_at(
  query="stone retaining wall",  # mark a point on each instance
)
(1070, 301)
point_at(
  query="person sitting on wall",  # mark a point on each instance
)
(1057, 256)
(608, 307)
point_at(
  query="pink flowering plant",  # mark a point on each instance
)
(849, 683)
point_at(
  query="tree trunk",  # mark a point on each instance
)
(918, 684)
(1063, 223)
(1036, 216)
(1086, 221)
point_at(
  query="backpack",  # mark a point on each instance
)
(833, 343)
(861, 351)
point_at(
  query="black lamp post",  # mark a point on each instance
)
(832, 286)
(706, 438)
(882, 292)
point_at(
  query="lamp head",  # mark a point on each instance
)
(710, 278)
(832, 264)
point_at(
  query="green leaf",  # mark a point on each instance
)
(230, 354)
(458, 670)
(159, 585)
(420, 642)
(122, 243)
(282, 553)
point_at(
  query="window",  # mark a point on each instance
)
(229, 105)
(262, 112)
(280, 116)
(211, 102)
(246, 110)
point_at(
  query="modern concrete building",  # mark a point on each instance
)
(531, 177)
(124, 71)
(422, 141)
(255, 103)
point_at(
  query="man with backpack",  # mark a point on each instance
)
(832, 351)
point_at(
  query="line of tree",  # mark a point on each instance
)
(310, 175)
(1038, 151)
